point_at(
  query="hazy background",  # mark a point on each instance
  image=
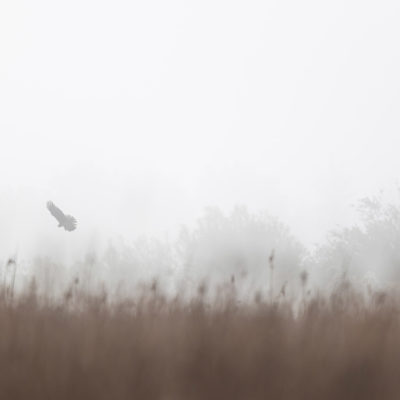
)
(134, 115)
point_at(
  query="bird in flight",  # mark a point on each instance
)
(68, 222)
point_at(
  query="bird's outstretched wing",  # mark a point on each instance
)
(70, 223)
(56, 212)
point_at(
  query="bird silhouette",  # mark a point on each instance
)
(68, 222)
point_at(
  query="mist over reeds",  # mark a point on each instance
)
(88, 345)
(120, 121)
(235, 308)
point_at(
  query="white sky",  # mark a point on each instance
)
(134, 115)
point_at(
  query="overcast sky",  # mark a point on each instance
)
(134, 115)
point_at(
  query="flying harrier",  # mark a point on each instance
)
(68, 222)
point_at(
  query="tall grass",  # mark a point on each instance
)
(89, 346)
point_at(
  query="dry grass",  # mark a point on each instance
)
(87, 347)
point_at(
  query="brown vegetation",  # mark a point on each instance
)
(89, 347)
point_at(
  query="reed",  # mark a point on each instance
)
(91, 346)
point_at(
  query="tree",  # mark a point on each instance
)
(240, 245)
(369, 249)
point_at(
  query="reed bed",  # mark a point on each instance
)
(87, 346)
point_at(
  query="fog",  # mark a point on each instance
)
(135, 116)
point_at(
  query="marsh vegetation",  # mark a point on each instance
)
(236, 308)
